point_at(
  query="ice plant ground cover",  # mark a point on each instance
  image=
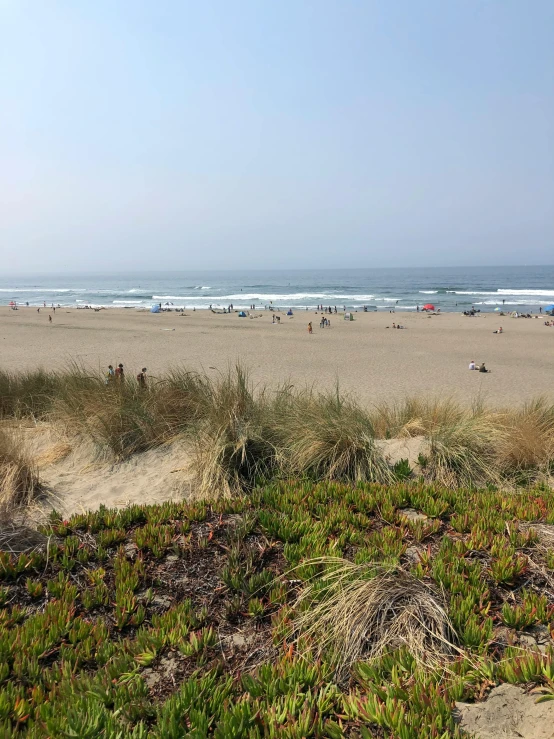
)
(300, 610)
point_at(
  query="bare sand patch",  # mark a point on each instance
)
(76, 479)
(508, 713)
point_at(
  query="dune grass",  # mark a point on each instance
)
(239, 432)
(235, 439)
(351, 612)
(19, 480)
(329, 437)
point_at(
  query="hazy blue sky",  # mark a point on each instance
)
(275, 133)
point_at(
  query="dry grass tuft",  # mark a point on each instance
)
(365, 611)
(329, 437)
(235, 439)
(464, 452)
(19, 481)
(53, 455)
(528, 442)
(414, 417)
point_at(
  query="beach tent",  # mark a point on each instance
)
(429, 306)
(549, 309)
(348, 317)
(242, 314)
(155, 309)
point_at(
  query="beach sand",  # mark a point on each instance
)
(429, 357)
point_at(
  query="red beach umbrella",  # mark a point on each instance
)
(429, 306)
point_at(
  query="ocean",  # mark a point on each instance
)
(450, 289)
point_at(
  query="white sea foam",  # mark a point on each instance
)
(266, 298)
(42, 290)
(502, 292)
(429, 292)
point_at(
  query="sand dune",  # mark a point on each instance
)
(76, 479)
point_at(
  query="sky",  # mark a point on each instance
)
(259, 134)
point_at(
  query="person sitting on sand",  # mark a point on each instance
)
(472, 365)
(482, 367)
(394, 325)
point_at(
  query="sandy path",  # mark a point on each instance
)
(429, 357)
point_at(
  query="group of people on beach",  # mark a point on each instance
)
(117, 376)
(478, 368)
(326, 310)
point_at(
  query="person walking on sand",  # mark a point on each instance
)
(310, 329)
(141, 378)
(119, 373)
(49, 319)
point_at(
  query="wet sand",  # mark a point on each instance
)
(430, 356)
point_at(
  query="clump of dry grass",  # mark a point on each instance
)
(54, 454)
(329, 437)
(465, 452)
(19, 481)
(415, 416)
(528, 440)
(352, 612)
(235, 440)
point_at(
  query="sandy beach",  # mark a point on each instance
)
(430, 356)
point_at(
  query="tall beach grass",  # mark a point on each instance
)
(239, 433)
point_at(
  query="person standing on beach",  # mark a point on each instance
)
(141, 378)
(49, 319)
(310, 329)
(119, 373)
(110, 375)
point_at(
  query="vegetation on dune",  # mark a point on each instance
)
(299, 610)
(240, 433)
(19, 480)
